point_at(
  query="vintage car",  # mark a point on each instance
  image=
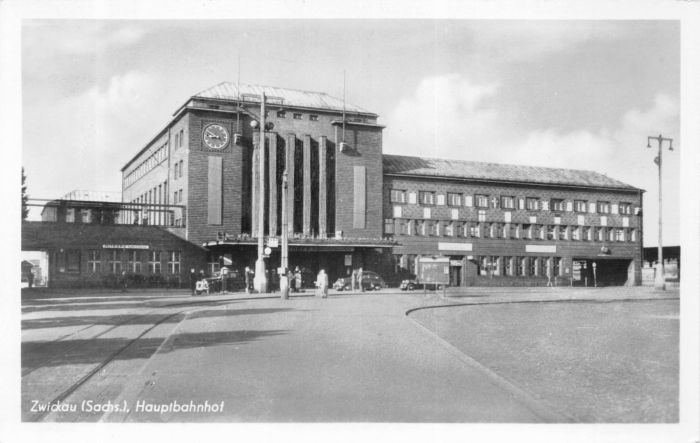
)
(412, 284)
(371, 281)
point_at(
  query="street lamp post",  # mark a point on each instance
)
(659, 279)
(284, 283)
(260, 280)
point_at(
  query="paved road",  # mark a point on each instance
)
(348, 358)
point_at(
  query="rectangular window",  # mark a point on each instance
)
(398, 196)
(532, 204)
(135, 259)
(542, 266)
(486, 229)
(626, 208)
(94, 261)
(538, 232)
(508, 266)
(174, 262)
(556, 205)
(213, 265)
(70, 215)
(513, 230)
(603, 207)
(313, 118)
(527, 231)
(563, 232)
(576, 233)
(610, 234)
(454, 199)
(115, 261)
(433, 227)
(598, 233)
(520, 266)
(281, 114)
(154, 262)
(633, 235)
(481, 201)
(427, 198)
(556, 266)
(532, 266)
(297, 116)
(483, 266)
(182, 136)
(474, 230)
(411, 263)
(586, 234)
(389, 226)
(580, 205)
(619, 234)
(508, 202)
(551, 232)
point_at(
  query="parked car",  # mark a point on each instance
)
(412, 284)
(371, 281)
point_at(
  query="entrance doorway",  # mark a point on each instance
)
(601, 272)
(456, 270)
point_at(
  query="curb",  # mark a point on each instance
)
(538, 406)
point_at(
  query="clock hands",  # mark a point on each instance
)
(210, 135)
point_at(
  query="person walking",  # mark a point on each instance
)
(353, 279)
(359, 279)
(224, 280)
(249, 274)
(297, 277)
(193, 281)
(322, 284)
(291, 281)
(30, 279)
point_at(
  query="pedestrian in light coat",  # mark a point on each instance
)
(353, 279)
(322, 284)
(291, 281)
(249, 275)
(297, 277)
(359, 279)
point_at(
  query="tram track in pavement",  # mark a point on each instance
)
(70, 382)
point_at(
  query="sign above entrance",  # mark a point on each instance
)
(540, 248)
(454, 246)
(273, 242)
(321, 248)
(125, 246)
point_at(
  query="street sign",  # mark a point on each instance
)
(273, 242)
(268, 251)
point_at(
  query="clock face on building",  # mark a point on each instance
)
(215, 136)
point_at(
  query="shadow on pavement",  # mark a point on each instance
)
(85, 352)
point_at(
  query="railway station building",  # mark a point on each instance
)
(350, 205)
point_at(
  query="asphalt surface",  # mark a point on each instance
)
(348, 358)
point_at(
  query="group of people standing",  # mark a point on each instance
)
(199, 283)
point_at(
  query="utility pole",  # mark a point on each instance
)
(260, 280)
(659, 279)
(284, 283)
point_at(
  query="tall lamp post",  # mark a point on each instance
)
(659, 279)
(284, 283)
(260, 280)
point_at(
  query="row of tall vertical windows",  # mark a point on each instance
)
(148, 164)
(137, 261)
(510, 202)
(488, 266)
(527, 231)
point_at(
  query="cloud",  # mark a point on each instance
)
(445, 111)
(455, 118)
(522, 39)
(94, 132)
(81, 37)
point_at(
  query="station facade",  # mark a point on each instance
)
(350, 205)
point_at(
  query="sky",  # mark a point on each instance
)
(578, 94)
